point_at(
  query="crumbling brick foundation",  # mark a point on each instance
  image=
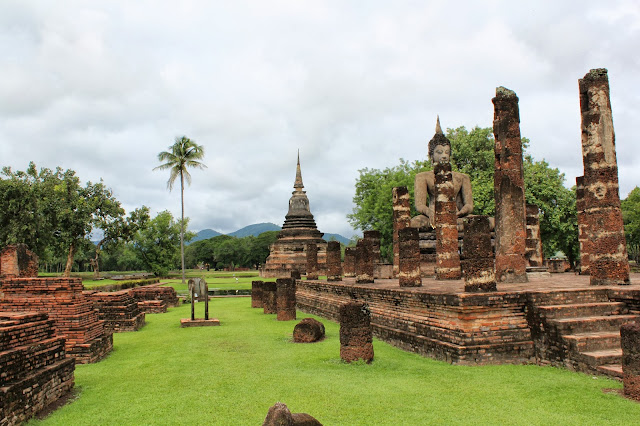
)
(154, 298)
(87, 339)
(35, 372)
(510, 222)
(118, 309)
(286, 299)
(608, 262)
(356, 339)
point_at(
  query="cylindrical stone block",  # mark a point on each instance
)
(334, 263)
(608, 262)
(312, 261)
(374, 237)
(256, 294)
(364, 262)
(350, 262)
(630, 342)
(510, 221)
(286, 299)
(308, 330)
(478, 263)
(269, 303)
(356, 337)
(583, 231)
(409, 259)
(447, 256)
(401, 220)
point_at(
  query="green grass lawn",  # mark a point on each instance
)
(232, 374)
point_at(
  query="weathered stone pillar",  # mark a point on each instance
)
(409, 259)
(477, 259)
(364, 261)
(511, 234)
(583, 232)
(401, 220)
(608, 262)
(334, 263)
(356, 338)
(256, 294)
(447, 256)
(269, 298)
(286, 299)
(374, 237)
(312, 261)
(350, 262)
(630, 342)
(533, 254)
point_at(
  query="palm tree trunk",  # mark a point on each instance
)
(182, 224)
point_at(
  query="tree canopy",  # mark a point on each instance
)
(472, 153)
(631, 218)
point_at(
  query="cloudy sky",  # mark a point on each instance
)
(101, 87)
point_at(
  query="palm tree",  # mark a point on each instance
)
(184, 153)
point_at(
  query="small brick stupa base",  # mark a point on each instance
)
(118, 309)
(87, 339)
(199, 322)
(154, 299)
(34, 369)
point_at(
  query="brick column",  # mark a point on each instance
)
(533, 254)
(311, 251)
(608, 262)
(364, 262)
(409, 259)
(269, 298)
(374, 237)
(630, 342)
(447, 257)
(256, 294)
(350, 262)
(583, 232)
(477, 259)
(334, 263)
(286, 299)
(401, 220)
(511, 234)
(356, 338)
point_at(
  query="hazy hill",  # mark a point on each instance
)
(255, 230)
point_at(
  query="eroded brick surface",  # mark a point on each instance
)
(356, 338)
(118, 309)
(286, 299)
(401, 220)
(364, 261)
(334, 263)
(256, 293)
(477, 260)
(447, 256)
(311, 252)
(409, 259)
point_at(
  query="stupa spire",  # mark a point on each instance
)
(438, 128)
(298, 183)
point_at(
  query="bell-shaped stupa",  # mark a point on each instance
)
(299, 229)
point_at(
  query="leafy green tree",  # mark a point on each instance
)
(631, 218)
(158, 243)
(473, 154)
(182, 155)
(116, 229)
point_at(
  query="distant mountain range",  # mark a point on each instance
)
(255, 230)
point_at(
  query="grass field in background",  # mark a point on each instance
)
(232, 374)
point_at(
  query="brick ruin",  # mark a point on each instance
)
(35, 369)
(508, 177)
(154, 299)
(311, 250)
(356, 339)
(269, 305)
(286, 299)
(409, 258)
(608, 261)
(533, 253)
(256, 294)
(308, 330)
(298, 230)
(401, 220)
(17, 261)
(630, 342)
(478, 262)
(583, 233)
(334, 263)
(118, 309)
(349, 266)
(364, 261)
(73, 314)
(447, 257)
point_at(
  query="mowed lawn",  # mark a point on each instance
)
(232, 374)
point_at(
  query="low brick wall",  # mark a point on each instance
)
(73, 314)
(458, 328)
(155, 293)
(35, 370)
(118, 309)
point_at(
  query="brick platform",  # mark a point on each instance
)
(544, 321)
(35, 370)
(73, 314)
(118, 309)
(153, 299)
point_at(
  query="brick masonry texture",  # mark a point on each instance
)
(286, 299)
(409, 258)
(364, 261)
(349, 269)
(155, 299)
(87, 339)
(311, 252)
(118, 309)
(269, 305)
(447, 257)
(356, 338)
(478, 263)
(256, 294)
(35, 370)
(533, 253)
(630, 342)
(334, 263)
(583, 232)
(401, 220)
(18, 261)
